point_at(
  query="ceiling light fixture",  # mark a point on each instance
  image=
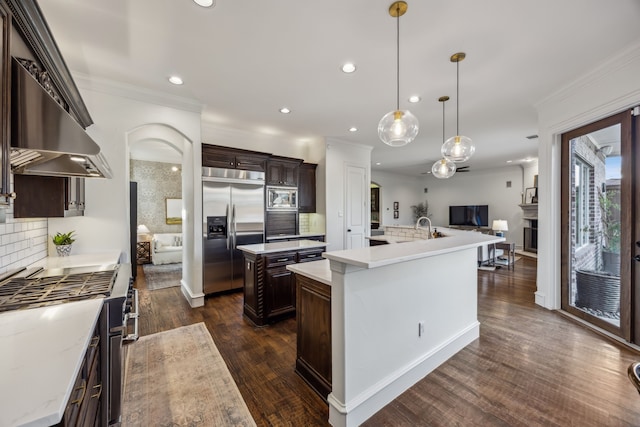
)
(285, 110)
(353, 129)
(398, 128)
(204, 3)
(458, 148)
(414, 98)
(443, 168)
(175, 80)
(349, 68)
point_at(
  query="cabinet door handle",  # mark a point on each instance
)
(83, 387)
(282, 259)
(312, 256)
(97, 395)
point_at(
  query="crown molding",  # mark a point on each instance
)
(125, 90)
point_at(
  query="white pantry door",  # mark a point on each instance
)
(356, 203)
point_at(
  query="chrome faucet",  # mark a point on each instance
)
(418, 225)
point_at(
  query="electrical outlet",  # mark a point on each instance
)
(420, 329)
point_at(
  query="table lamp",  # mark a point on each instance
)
(499, 226)
(143, 233)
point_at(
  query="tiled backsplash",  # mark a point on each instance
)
(400, 231)
(22, 241)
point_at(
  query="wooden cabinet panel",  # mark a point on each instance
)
(281, 224)
(279, 292)
(269, 288)
(313, 358)
(229, 158)
(283, 171)
(307, 188)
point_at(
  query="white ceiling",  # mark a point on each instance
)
(243, 60)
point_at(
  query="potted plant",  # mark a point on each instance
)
(421, 209)
(63, 242)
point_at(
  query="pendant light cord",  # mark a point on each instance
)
(398, 57)
(443, 121)
(458, 97)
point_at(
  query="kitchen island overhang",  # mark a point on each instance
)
(397, 313)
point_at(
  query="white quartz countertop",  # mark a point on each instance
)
(316, 270)
(41, 352)
(292, 245)
(81, 260)
(378, 256)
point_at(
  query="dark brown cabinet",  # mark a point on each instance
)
(269, 288)
(375, 199)
(281, 224)
(283, 171)
(313, 356)
(48, 196)
(307, 188)
(84, 405)
(228, 158)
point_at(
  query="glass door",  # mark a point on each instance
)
(597, 211)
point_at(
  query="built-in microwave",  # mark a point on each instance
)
(282, 198)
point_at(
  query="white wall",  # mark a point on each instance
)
(480, 187)
(610, 88)
(338, 155)
(116, 113)
(406, 190)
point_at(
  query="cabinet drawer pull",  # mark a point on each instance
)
(282, 259)
(99, 393)
(83, 387)
(312, 256)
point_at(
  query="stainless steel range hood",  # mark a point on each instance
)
(45, 139)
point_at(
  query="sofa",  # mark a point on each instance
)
(166, 248)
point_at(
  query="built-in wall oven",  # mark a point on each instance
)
(28, 288)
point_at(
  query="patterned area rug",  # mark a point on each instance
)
(162, 276)
(178, 378)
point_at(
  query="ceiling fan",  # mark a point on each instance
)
(459, 169)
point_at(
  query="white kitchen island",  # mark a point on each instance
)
(397, 312)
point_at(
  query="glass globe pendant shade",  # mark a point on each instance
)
(443, 169)
(458, 148)
(398, 128)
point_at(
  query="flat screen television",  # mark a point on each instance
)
(472, 215)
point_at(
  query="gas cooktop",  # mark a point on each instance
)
(45, 287)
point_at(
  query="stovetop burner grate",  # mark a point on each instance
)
(22, 292)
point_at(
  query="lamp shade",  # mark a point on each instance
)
(143, 229)
(443, 169)
(398, 128)
(500, 225)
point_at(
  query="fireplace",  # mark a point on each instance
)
(531, 236)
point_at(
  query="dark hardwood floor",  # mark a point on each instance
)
(530, 366)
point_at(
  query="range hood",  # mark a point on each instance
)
(45, 139)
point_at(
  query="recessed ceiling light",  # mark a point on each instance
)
(285, 110)
(414, 99)
(509, 161)
(175, 80)
(353, 129)
(378, 163)
(349, 67)
(204, 3)
(528, 159)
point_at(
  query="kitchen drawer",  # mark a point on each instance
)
(310, 255)
(279, 259)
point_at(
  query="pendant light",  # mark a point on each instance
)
(398, 128)
(458, 148)
(443, 168)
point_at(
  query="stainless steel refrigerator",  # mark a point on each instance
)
(232, 214)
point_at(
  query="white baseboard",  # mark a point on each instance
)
(193, 300)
